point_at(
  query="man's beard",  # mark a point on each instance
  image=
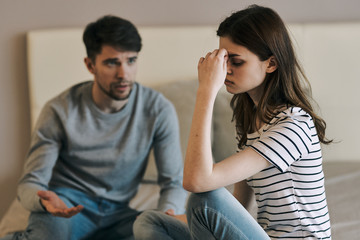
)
(111, 93)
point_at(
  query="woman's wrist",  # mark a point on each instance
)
(207, 91)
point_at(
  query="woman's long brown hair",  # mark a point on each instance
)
(262, 31)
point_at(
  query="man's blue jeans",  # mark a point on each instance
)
(100, 219)
(211, 215)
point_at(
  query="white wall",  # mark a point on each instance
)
(20, 16)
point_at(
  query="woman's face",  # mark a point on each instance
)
(245, 71)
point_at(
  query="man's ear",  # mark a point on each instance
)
(89, 65)
(272, 65)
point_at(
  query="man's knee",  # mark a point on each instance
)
(145, 222)
(45, 226)
(149, 217)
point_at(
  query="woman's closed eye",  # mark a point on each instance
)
(236, 62)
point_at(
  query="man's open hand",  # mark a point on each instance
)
(54, 205)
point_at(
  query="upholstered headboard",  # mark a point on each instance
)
(55, 58)
(329, 53)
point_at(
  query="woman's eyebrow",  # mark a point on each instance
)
(233, 55)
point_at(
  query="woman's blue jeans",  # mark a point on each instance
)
(211, 215)
(100, 219)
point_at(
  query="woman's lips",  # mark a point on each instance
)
(228, 82)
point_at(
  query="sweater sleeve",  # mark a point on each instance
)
(169, 161)
(41, 158)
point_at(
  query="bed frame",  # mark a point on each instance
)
(327, 52)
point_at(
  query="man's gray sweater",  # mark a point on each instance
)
(75, 145)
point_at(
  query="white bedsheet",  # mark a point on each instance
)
(342, 180)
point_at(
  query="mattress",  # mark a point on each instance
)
(342, 181)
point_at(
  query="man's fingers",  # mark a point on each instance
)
(170, 212)
(71, 212)
(79, 208)
(67, 213)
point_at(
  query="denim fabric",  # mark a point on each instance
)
(100, 219)
(218, 215)
(211, 215)
(156, 225)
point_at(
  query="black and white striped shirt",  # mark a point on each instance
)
(290, 193)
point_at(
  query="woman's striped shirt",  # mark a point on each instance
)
(290, 194)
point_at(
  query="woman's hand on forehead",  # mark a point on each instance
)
(212, 69)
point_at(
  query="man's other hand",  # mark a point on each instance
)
(181, 217)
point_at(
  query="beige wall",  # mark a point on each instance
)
(20, 16)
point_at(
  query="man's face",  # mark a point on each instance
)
(114, 72)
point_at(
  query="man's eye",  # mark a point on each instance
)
(113, 63)
(132, 60)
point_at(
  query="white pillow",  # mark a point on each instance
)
(182, 94)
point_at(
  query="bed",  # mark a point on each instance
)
(168, 63)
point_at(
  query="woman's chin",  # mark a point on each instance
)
(231, 90)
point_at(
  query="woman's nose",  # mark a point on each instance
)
(228, 68)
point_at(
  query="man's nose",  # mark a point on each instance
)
(121, 71)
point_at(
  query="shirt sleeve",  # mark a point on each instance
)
(41, 158)
(286, 141)
(168, 158)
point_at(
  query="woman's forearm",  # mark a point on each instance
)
(198, 160)
(198, 167)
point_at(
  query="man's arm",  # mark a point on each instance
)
(169, 161)
(43, 153)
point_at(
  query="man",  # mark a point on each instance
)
(90, 146)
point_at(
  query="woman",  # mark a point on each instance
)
(279, 138)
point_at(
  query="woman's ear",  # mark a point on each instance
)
(272, 65)
(89, 65)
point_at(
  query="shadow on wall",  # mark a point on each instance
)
(15, 128)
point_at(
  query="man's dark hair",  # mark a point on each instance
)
(113, 31)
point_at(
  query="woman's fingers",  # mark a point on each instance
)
(222, 53)
(208, 54)
(201, 60)
(212, 69)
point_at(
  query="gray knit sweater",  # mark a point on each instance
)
(75, 145)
